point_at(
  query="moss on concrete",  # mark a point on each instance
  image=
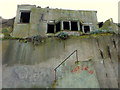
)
(54, 84)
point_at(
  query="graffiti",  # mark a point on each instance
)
(76, 69)
(91, 72)
(86, 68)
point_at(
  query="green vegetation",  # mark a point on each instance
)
(36, 40)
(77, 62)
(63, 36)
(54, 84)
(10, 38)
(6, 32)
(95, 35)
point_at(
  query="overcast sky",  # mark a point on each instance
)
(105, 8)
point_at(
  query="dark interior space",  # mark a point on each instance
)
(58, 27)
(50, 28)
(86, 29)
(74, 26)
(81, 27)
(25, 17)
(66, 25)
(100, 24)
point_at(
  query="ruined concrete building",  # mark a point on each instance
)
(32, 61)
(31, 20)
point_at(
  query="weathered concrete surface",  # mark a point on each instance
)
(26, 65)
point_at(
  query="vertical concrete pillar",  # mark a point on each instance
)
(54, 28)
(83, 28)
(61, 25)
(70, 25)
(90, 28)
(19, 15)
(78, 24)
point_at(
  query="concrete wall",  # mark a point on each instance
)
(79, 75)
(40, 16)
(26, 65)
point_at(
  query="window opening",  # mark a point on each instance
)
(58, 27)
(66, 25)
(74, 26)
(86, 29)
(50, 28)
(25, 17)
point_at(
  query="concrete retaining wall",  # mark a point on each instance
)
(26, 65)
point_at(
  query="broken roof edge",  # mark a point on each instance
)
(25, 5)
(56, 8)
(70, 9)
(77, 10)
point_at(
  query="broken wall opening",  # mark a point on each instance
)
(86, 29)
(100, 24)
(74, 26)
(50, 28)
(25, 17)
(66, 25)
(58, 27)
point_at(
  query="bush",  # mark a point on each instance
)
(6, 33)
(36, 40)
(63, 35)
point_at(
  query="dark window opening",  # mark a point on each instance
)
(58, 27)
(74, 26)
(50, 28)
(86, 29)
(66, 25)
(81, 27)
(25, 17)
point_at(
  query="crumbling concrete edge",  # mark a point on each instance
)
(118, 46)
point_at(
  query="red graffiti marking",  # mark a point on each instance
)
(76, 69)
(86, 68)
(91, 72)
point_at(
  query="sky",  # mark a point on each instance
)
(106, 9)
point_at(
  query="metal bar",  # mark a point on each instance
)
(55, 75)
(65, 60)
(77, 55)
